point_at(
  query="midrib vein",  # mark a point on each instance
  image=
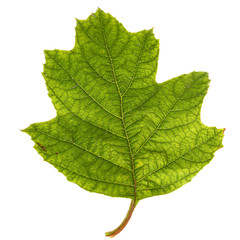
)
(121, 109)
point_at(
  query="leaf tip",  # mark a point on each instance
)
(224, 130)
(25, 130)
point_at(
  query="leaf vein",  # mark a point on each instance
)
(196, 147)
(93, 99)
(84, 149)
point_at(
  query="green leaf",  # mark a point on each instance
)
(117, 131)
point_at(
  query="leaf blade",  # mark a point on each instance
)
(122, 128)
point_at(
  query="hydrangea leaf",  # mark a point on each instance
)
(117, 131)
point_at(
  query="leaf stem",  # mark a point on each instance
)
(125, 221)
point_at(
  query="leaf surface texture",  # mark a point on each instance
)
(117, 131)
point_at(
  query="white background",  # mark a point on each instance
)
(37, 202)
